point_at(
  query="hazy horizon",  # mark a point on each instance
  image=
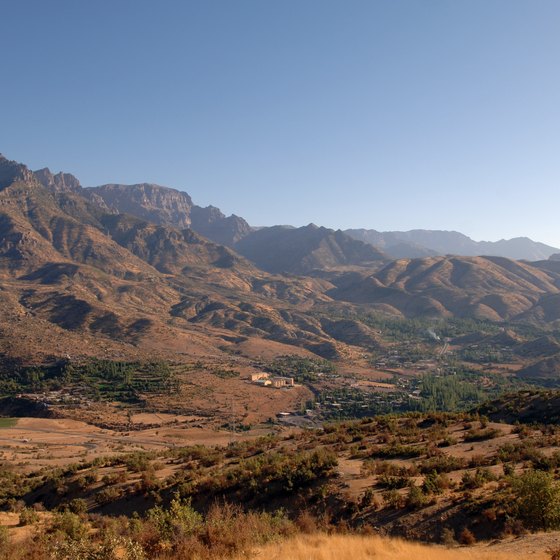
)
(380, 115)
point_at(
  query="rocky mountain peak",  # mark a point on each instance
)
(213, 224)
(154, 203)
(12, 171)
(61, 182)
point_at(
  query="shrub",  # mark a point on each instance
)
(482, 435)
(77, 505)
(442, 464)
(537, 500)
(367, 499)
(393, 482)
(70, 525)
(416, 499)
(180, 517)
(448, 537)
(435, 483)
(108, 495)
(393, 499)
(477, 479)
(28, 516)
(466, 537)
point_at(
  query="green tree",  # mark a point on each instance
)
(538, 500)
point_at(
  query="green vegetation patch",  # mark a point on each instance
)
(302, 369)
(8, 422)
(96, 379)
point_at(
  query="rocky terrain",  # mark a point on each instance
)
(118, 270)
(142, 332)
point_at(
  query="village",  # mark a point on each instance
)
(266, 380)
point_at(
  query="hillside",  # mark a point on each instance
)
(529, 407)
(303, 250)
(169, 207)
(89, 273)
(448, 479)
(490, 288)
(82, 279)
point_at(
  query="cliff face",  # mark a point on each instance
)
(169, 207)
(11, 172)
(153, 203)
(61, 182)
(214, 225)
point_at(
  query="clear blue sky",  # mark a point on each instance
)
(386, 114)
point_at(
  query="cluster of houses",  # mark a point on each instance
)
(265, 380)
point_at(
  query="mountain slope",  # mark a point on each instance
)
(77, 279)
(169, 207)
(302, 250)
(491, 288)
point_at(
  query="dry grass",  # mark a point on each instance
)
(352, 547)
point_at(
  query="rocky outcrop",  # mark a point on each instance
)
(169, 207)
(213, 224)
(153, 203)
(61, 182)
(11, 172)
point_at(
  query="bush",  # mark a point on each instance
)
(442, 464)
(466, 537)
(416, 499)
(479, 478)
(70, 525)
(448, 537)
(537, 501)
(435, 483)
(28, 516)
(393, 482)
(482, 435)
(393, 499)
(179, 518)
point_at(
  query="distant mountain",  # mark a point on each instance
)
(213, 224)
(421, 243)
(169, 207)
(555, 257)
(121, 271)
(391, 243)
(302, 250)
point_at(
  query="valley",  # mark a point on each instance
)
(157, 357)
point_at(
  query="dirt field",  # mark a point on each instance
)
(34, 443)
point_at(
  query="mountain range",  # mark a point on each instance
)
(125, 270)
(170, 207)
(423, 243)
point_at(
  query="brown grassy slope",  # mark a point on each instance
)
(531, 407)
(354, 547)
(66, 263)
(484, 287)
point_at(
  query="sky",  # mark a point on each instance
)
(378, 114)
